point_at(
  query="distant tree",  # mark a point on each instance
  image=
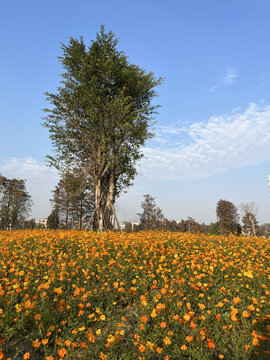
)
(182, 226)
(100, 117)
(151, 217)
(29, 224)
(53, 220)
(128, 226)
(73, 200)
(15, 203)
(214, 228)
(264, 230)
(250, 223)
(191, 224)
(227, 216)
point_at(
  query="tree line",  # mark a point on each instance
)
(73, 206)
(228, 219)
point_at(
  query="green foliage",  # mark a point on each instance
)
(100, 116)
(53, 220)
(227, 216)
(151, 217)
(72, 201)
(15, 203)
(214, 228)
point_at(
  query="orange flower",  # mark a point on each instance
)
(245, 314)
(237, 300)
(62, 352)
(192, 325)
(144, 318)
(210, 344)
(26, 356)
(142, 348)
(36, 343)
(160, 306)
(162, 325)
(167, 341)
(37, 317)
(189, 338)
(91, 337)
(102, 356)
(183, 347)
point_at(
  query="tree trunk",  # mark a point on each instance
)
(67, 213)
(109, 202)
(252, 224)
(98, 205)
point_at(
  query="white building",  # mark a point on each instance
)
(42, 222)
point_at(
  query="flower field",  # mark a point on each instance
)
(149, 295)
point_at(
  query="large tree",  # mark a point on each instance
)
(101, 117)
(15, 203)
(227, 216)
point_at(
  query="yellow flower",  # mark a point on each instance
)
(167, 341)
(201, 306)
(248, 274)
(186, 317)
(110, 338)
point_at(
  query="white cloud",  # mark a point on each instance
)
(224, 142)
(228, 79)
(40, 181)
(241, 138)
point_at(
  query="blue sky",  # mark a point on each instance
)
(213, 130)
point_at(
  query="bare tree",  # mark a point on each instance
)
(250, 223)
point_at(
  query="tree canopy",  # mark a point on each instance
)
(15, 203)
(100, 117)
(227, 216)
(152, 216)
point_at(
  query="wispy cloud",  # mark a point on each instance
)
(228, 79)
(241, 138)
(224, 142)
